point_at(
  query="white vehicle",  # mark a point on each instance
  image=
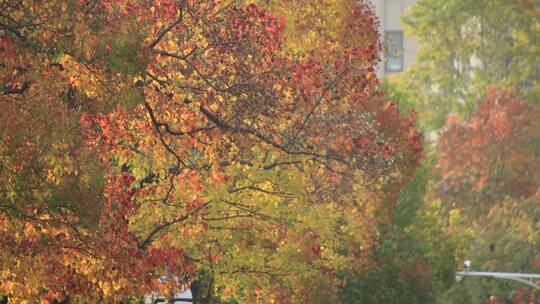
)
(182, 297)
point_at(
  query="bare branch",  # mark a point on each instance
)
(277, 193)
(148, 240)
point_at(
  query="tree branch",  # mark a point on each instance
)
(157, 126)
(223, 125)
(148, 240)
(167, 29)
(260, 190)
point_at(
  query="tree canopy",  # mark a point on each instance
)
(195, 140)
(466, 47)
(493, 182)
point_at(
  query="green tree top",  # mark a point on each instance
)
(466, 46)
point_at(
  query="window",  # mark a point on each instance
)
(394, 54)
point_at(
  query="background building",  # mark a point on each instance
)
(400, 50)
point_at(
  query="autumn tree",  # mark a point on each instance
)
(191, 140)
(488, 168)
(491, 156)
(487, 146)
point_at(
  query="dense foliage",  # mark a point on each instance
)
(494, 181)
(467, 46)
(248, 151)
(198, 141)
(475, 86)
(416, 259)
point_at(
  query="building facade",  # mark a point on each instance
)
(400, 50)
